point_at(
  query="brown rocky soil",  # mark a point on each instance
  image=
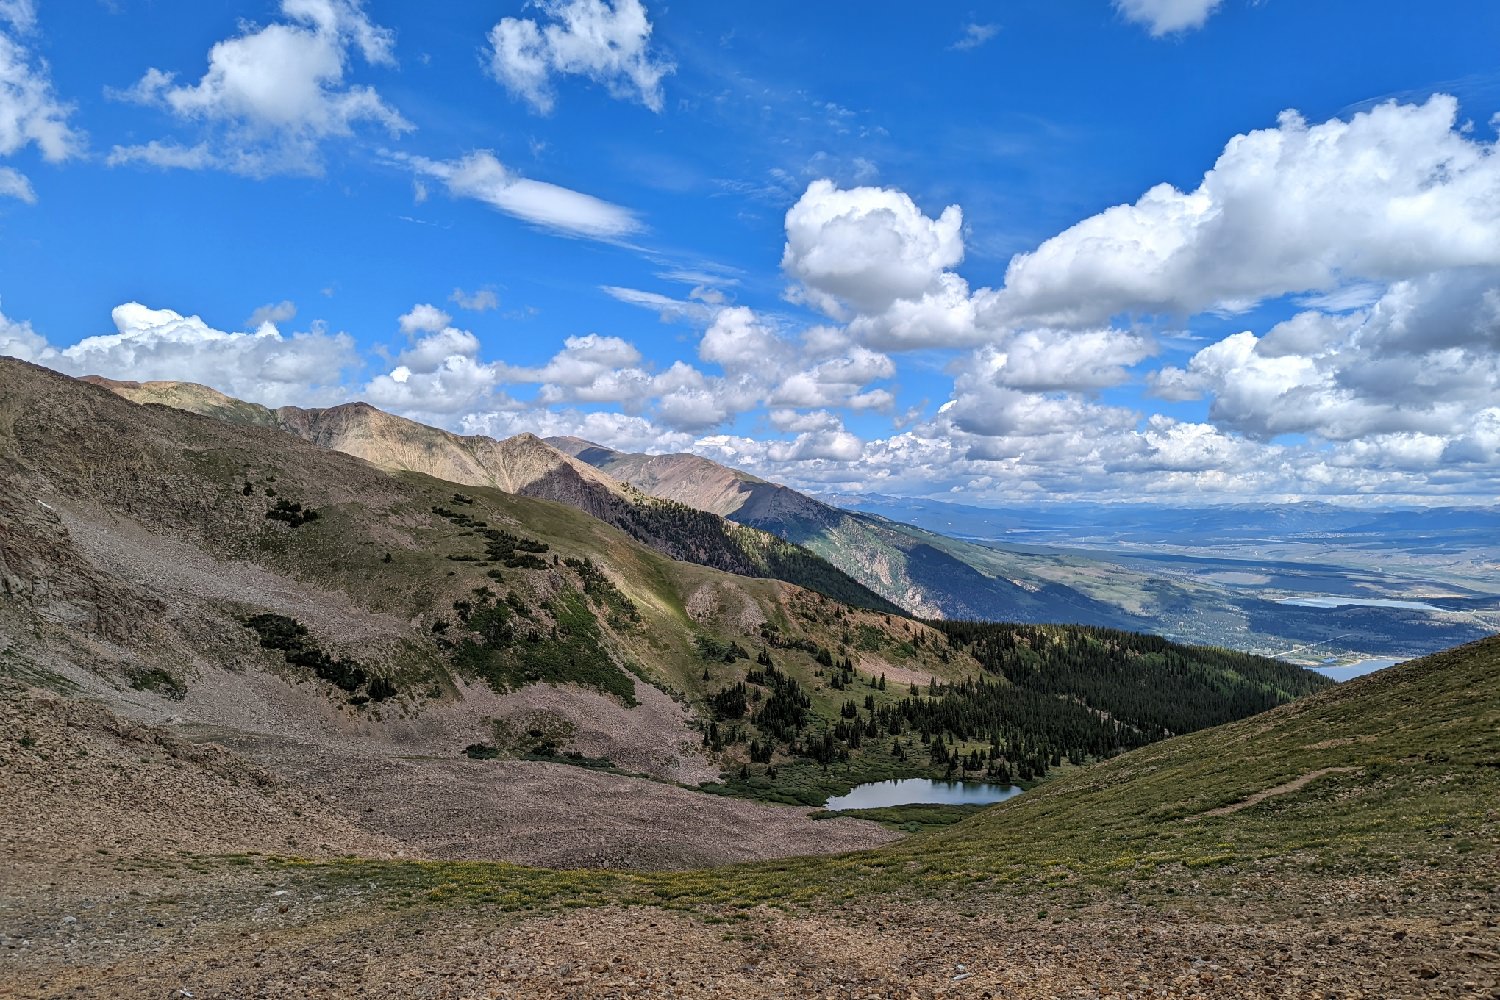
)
(551, 815)
(245, 936)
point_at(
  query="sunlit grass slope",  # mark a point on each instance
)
(1389, 775)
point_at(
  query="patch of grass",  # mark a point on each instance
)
(910, 818)
(157, 681)
(510, 647)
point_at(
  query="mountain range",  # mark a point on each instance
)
(275, 714)
(689, 507)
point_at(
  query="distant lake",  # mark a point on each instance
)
(1364, 602)
(925, 791)
(1349, 671)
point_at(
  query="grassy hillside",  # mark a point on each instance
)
(527, 466)
(926, 574)
(395, 592)
(1389, 781)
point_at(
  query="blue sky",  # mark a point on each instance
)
(860, 247)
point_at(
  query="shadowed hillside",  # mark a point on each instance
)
(925, 573)
(526, 466)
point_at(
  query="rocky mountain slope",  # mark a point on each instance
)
(321, 616)
(264, 582)
(925, 573)
(526, 466)
(1344, 845)
(275, 722)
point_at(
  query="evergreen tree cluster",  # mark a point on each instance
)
(291, 512)
(602, 590)
(1155, 686)
(1049, 694)
(513, 551)
(697, 536)
(510, 644)
(785, 710)
(297, 647)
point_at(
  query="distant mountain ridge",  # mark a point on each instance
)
(527, 466)
(917, 569)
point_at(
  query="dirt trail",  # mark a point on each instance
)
(1286, 788)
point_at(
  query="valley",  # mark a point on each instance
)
(621, 500)
(263, 700)
(1244, 576)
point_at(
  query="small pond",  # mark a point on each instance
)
(912, 791)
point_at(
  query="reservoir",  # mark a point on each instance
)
(925, 791)
(1364, 602)
(1349, 671)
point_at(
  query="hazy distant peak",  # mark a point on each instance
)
(190, 396)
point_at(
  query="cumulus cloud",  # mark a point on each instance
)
(866, 248)
(1393, 193)
(273, 95)
(439, 375)
(423, 318)
(1164, 17)
(19, 340)
(1062, 360)
(263, 366)
(1421, 360)
(563, 211)
(613, 430)
(838, 381)
(607, 42)
(31, 114)
(739, 339)
(869, 256)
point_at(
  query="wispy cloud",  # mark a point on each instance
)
(561, 210)
(975, 35)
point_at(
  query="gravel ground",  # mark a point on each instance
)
(258, 942)
(552, 815)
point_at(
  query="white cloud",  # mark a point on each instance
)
(30, 112)
(273, 94)
(1393, 193)
(263, 366)
(19, 340)
(480, 300)
(438, 380)
(1163, 17)
(669, 309)
(1420, 361)
(423, 318)
(569, 213)
(273, 312)
(738, 340)
(20, 13)
(866, 248)
(609, 43)
(838, 382)
(613, 430)
(429, 353)
(13, 184)
(164, 156)
(1054, 360)
(834, 445)
(975, 34)
(583, 359)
